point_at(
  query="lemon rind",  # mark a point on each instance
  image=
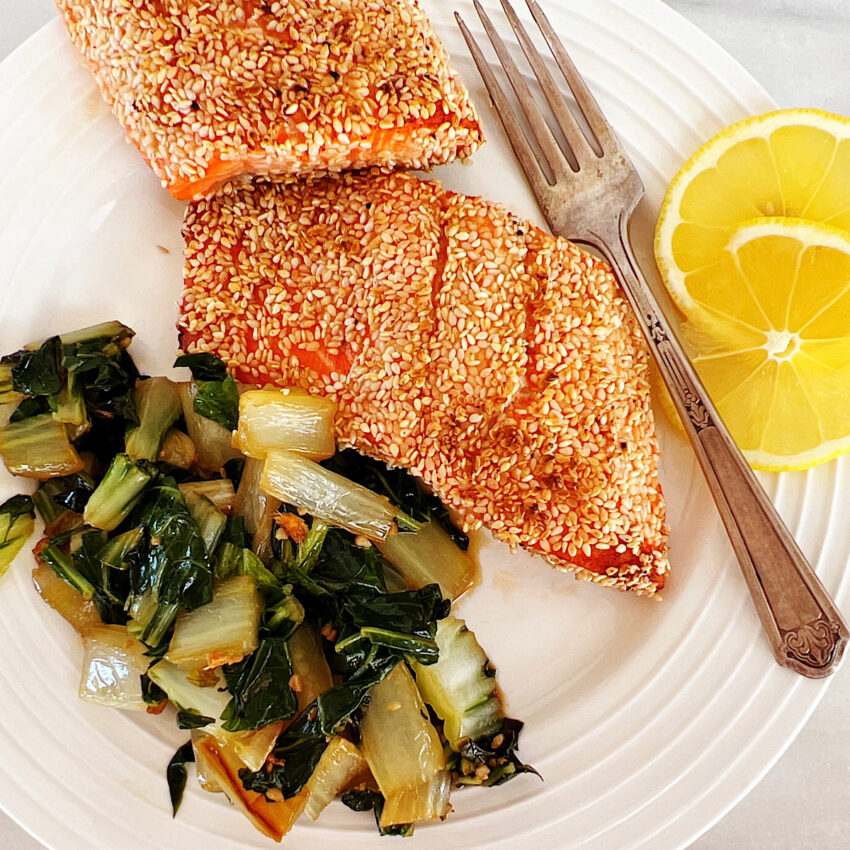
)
(767, 462)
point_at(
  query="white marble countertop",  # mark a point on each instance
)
(799, 54)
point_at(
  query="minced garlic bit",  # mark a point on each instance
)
(394, 706)
(207, 91)
(499, 364)
(290, 526)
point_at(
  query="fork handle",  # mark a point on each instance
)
(805, 629)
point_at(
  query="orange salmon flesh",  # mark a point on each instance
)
(208, 91)
(499, 364)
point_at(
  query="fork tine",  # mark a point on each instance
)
(576, 139)
(585, 100)
(516, 136)
(540, 129)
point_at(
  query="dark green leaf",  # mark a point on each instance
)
(190, 719)
(38, 372)
(403, 621)
(500, 758)
(367, 801)
(336, 705)
(16, 525)
(111, 586)
(218, 396)
(176, 774)
(30, 407)
(104, 439)
(152, 693)
(362, 801)
(178, 567)
(300, 756)
(67, 492)
(259, 685)
(422, 649)
(204, 366)
(17, 506)
(108, 376)
(300, 746)
(236, 533)
(174, 570)
(313, 594)
(339, 568)
(95, 365)
(219, 401)
(342, 566)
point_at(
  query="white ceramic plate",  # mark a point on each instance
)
(647, 721)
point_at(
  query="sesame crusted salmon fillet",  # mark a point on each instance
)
(208, 91)
(499, 364)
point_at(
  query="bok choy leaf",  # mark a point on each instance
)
(176, 774)
(177, 570)
(300, 746)
(217, 397)
(113, 665)
(17, 517)
(366, 800)
(400, 487)
(65, 493)
(260, 686)
(403, 621)
(326, 495)
(291, 420)
(404, 751)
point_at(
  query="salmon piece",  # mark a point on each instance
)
(208, 91)
(499, 364)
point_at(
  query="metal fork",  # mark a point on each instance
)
(593, 205)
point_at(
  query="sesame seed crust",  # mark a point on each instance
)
(208, 91)
(498, 363)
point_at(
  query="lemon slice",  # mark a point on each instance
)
(769, 333)
(793, 162)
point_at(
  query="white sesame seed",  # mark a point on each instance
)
(207, 96)
(500, 381)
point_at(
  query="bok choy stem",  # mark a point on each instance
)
(118, 492)
(158, 408)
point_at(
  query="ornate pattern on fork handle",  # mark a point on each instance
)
(696, 409)
(812, 644)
